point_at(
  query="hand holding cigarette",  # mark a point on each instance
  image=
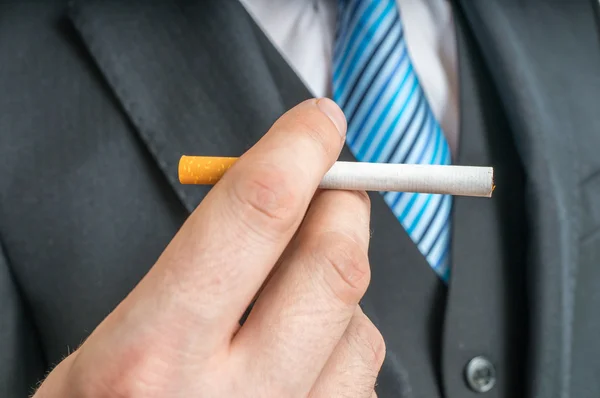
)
(178, 332)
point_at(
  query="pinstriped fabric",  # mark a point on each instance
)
(389, 118)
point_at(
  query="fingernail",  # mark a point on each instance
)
(334, 113)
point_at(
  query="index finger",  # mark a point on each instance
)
(218, 260)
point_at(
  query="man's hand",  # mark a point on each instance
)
(178, 334)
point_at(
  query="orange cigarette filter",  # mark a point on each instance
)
(203, 170)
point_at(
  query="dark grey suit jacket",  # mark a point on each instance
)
(99, 99)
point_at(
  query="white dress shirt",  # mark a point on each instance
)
(304, 30)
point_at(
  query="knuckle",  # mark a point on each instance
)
(368, 342)
(346, 270)
(265, 200)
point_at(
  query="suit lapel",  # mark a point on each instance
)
(190, 76)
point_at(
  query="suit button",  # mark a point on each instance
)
(480, 374)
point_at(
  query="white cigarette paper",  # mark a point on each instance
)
(436, 179)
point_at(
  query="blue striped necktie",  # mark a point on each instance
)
(389, 118)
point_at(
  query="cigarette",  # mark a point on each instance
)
(418, 178)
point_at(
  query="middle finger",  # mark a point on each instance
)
(307, 305)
